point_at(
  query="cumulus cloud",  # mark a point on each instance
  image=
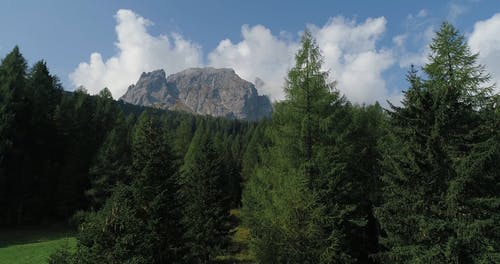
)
(354, 61)
(485, 39)
(259, 55)
(138, 51)
(349, 48)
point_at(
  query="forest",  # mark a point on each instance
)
(321, 181)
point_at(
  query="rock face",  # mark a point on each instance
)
(207, 91)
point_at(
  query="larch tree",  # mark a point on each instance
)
(302, 204)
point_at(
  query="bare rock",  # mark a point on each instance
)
(207, 91)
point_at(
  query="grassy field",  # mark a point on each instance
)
(32, 245)
(35, 245)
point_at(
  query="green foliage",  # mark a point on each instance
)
(12, 129)
(118, 233)
(205, 211)
(60, 256)
(34, 245)
(252, 156)
(183, 135)
(323, 181)
(65, 152)
(139, 223)
(112, 163)
(310, 199)
(428, 212)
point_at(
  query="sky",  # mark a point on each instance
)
(367, 46)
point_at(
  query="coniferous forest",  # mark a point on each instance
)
(321, 181)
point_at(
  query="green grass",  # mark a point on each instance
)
(238, 251)
(33, 245)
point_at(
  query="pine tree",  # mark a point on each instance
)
(228, 148)
(473, 197)
(155, 184)
(252, 153)
(44, 94)
(183, 135)
(14, 120)
(140, 221)
(205, 214)
(112, 163)
(105, 113)
(422, 214)
(74, 119)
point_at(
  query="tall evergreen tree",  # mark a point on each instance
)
(304, 203)
(205, 214)
(105, 114)
(473, 197)
(74, 121)
(279, 206)
(44, 93)
(252, 153)
(111, 164)
(140, 222)
(14, 124)
(156, 185)
(423, 211)
(183, 135)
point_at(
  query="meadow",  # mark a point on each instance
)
(33, 244)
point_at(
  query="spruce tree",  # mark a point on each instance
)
(14, 124)
(140, 221)
(74, 119)
(205, 214)
(423, 213)
(111, 164)
(155, 184)
(473, 197)
(183, 135)
(44, 94)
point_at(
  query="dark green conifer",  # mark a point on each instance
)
(205, 214)
(424, 213)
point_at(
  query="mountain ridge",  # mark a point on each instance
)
(218, 92)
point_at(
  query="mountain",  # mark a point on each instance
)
(207, 91)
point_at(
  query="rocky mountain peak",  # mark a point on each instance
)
(208, 91)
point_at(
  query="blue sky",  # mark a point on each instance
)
(368, 44)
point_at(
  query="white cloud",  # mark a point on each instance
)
(349, 48)
(485, 39)
(138, 51)
(259, 55)
(350, 52)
